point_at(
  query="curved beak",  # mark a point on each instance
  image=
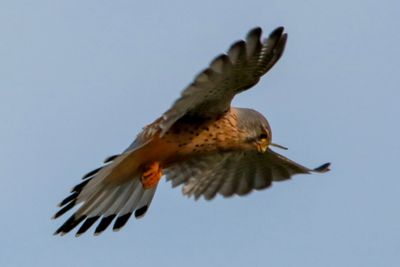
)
(262, 146)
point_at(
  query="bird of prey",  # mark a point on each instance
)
(201, 142)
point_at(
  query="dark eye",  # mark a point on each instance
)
(263, 136)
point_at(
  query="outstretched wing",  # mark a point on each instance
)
(236, 172)
(212, 91)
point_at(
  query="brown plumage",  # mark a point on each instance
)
(201, 142)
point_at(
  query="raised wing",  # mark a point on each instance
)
(234, 172)
(212, 91)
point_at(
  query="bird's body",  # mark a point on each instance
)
(201, 142)
(185, 139)
(209, 135)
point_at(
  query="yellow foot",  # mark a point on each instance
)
(152, 175)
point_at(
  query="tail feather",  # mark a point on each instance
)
(133, 200)
(64, 209)
(122, 196)
(102, 199)
(102, 205)
(145, 202)
(69, 224)
(68, 199)
(96, 198)
(86, 225)
(92, 173)
(110, 158)
(104, 223)
(121, 221)
(96, 211)
(78, 188)
(129, 207)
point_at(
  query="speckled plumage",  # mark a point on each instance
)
(201, 142)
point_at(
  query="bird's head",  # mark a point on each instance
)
(256, 129)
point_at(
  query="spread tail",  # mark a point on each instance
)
(113, 191)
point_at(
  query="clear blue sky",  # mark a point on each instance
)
(78, 80)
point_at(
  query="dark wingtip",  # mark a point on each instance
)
(257, 31)
(323, 168)
(279, 36)
(278, 31)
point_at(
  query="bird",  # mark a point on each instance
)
(201, 143)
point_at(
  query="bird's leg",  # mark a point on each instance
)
(151, 175)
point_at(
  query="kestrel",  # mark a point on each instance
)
(201, 142)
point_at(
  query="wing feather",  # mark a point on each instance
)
(211, 92)
(234, 172)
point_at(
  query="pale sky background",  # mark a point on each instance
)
(78, 80)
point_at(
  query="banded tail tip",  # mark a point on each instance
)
(121, 221)
(139, 213)
(104, 223)
(110, 158)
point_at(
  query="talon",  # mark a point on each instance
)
(152, 175)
